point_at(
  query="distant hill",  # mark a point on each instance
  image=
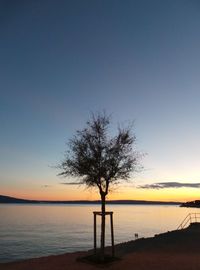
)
(7, 199)
(191, 204)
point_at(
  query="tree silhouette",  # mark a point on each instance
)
(100, 160)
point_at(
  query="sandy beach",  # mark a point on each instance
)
(167, 251)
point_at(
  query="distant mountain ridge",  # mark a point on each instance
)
(195, 204)
(8, 199)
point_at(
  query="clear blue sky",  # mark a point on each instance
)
(60, 60)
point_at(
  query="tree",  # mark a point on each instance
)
(99, 160)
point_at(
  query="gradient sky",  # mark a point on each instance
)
(138, 60)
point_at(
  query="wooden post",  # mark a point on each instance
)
(112, 234)
(95, 234)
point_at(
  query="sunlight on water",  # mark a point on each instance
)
(38, 230)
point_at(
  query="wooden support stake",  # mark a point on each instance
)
(95, 234)
(112, 234)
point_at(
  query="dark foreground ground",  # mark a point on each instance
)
(168, 251)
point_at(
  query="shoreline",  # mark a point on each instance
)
(167, 251)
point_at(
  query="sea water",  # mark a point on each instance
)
(35, 230)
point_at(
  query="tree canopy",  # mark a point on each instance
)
(98, 159)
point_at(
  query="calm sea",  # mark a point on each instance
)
(28, 231)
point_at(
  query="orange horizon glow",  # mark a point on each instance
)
(72, 194)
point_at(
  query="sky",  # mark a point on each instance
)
(136, 59)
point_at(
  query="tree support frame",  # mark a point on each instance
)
(96, 213)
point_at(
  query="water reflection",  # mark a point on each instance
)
(37, 230)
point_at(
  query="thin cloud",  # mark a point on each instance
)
(170, 185)
(71, 183)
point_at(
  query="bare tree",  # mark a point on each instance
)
(99, 160)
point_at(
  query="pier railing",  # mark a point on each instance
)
(190, 218)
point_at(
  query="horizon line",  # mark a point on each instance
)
(88, 201)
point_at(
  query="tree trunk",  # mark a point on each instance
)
(103, 219)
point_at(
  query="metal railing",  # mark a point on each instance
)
(190, 218)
